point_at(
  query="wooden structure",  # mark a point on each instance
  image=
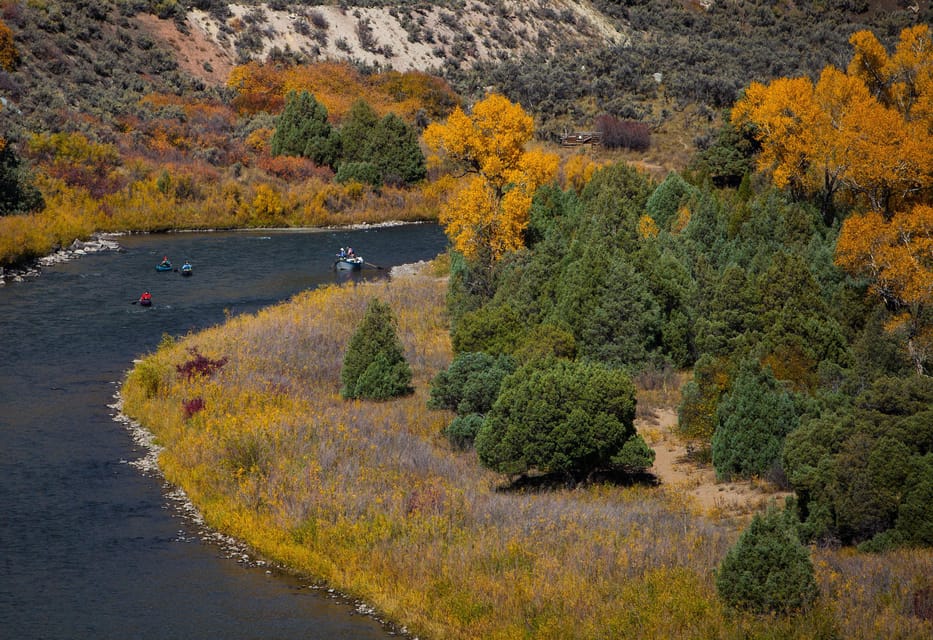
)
(581, 137)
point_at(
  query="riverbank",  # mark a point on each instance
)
(370, 499)
(229, 200)
(96, 244)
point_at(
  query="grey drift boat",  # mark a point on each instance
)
(348, 261)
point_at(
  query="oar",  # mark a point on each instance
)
(135, 301)
(374, 266)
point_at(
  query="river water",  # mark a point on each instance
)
(90, 546)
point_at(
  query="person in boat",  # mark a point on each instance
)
(343, 253)
(145, 298)
(166, 262)
(186, 266)
(350, 253)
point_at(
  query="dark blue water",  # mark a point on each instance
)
(90, 547)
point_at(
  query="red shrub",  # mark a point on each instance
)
(627, 134)
(192, 406)
(199, 365)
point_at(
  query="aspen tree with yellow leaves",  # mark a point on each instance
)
(488, 213)
(867, 132)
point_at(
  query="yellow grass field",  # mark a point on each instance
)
(369, 498)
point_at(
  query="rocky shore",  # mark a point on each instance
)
(78, 248)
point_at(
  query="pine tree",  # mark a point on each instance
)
(768, 569)
(396, 151)
(664, 202)
(751, 422)
(563, 416)
(303, 130)
(356, 133)
(374, 366)
(17, 193)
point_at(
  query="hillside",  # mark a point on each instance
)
(84, 63)
(406, 37)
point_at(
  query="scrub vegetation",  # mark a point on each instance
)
(371, 498)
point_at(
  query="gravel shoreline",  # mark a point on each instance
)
(98, 243)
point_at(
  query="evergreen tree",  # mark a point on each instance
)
(867, 480)
(553, 212)
(613, 202)
(751, 422)
(607, 305)
(469, 386)
(858, 472)
(545, 341)
(768, 569)
(471, 383)
(17, 193)
(356, 133)
(303, 130)
(732, 319)
(493, 329)
(396, 152)
(664, 202)
(374, 366)
(672, 287)
(564, 416)
(915, 517)
(362, 172)
(730, 158)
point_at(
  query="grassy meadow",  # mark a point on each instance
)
(370, 498)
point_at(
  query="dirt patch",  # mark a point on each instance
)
(196, 52)
(676, 472)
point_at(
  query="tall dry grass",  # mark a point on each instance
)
(198, 198)
(370, 498)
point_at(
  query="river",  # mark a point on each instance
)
(90, 545)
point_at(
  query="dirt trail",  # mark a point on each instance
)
(677, 473)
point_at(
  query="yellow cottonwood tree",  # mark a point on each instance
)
(488, 212)
(903, 81)
(866, 132)
(897, 254)
(578, 169)
(786, 117)
(647, 227)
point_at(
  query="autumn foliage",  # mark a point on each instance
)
(578, 169)
(865, 132)
(897, 255)
(263, 87)
(78, 161)
(489, 211)
(9, 56)
(176, 162)
(369, 498)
